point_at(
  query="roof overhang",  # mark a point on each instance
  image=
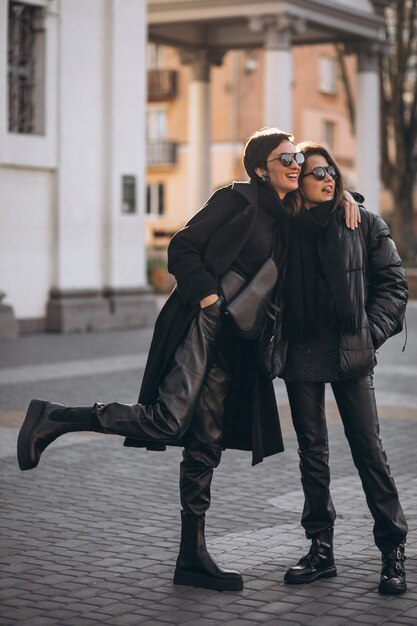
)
(224, 24)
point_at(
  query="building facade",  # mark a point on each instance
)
(72, 164)
(320, 114)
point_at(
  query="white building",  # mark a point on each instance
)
(72, 164)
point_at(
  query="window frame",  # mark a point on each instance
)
(155, 200)
(327, 75)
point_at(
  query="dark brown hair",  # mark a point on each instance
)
(309, 148)
(259, 146)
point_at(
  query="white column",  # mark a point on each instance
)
(100, 257)
(368, 127)
(123, 255)
(199, 126)
(278, 77)
(199, 134)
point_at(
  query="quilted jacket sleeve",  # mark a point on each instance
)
(388, 290)
(187, 248)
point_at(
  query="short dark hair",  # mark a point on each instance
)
(259, 146)
(309, 148)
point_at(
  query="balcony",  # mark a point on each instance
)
(162, 85)
(161, 152)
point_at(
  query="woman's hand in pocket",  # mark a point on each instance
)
(209, 300)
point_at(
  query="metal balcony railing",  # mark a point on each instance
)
(162, 85)
(162, 152)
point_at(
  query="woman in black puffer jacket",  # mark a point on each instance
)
(345, 293)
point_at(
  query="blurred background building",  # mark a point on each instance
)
(118, 120)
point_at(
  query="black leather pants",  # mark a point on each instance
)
(203, 440)
(190, 406)
(356, 403)
(169, 418)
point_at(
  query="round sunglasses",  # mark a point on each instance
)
(286, 158)
(319, 172)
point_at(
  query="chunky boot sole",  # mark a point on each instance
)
(330, 572)
(192, 579)
(392, 590)
(34, 413)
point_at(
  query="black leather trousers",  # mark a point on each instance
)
(356, 403)
(203, 440)
(190, 407)
(169, 418)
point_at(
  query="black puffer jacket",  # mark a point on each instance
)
(378, 289)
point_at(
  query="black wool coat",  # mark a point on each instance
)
(198, 256)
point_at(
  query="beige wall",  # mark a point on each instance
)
(312, 107)
(237, 111)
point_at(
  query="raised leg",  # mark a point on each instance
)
(165, 421)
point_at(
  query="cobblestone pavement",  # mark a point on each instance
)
(91, 536)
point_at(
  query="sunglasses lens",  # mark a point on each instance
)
(299, 158)
(332, 172)
(286, 159)
(319, 173)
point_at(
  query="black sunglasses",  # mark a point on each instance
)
(287, 157)
(319, 172)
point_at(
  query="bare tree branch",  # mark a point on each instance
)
(398, 88)
(412, 29)
(350, 101)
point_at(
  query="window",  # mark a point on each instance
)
(128, 194)
(327, 75)
(328, 134)
(155, 199)
(26, 66)
(155, 56)
(156, 124)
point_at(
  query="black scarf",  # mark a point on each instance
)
(315, 247)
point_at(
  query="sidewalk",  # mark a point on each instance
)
(91, 536)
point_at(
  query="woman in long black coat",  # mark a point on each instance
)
(203, 386)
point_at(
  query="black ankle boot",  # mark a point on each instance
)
(45, 422)
(318, 563)
(195, 567)
(393, 571)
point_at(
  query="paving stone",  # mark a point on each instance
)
(38, 621)
(327, 620)
(295, 618)
(257, 617)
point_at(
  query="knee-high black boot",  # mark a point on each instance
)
(195, 566)
(201, 455)
(165, 421)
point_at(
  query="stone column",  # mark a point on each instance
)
(100, 276)
(278, 75)
(199, 126)
(368, 126)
